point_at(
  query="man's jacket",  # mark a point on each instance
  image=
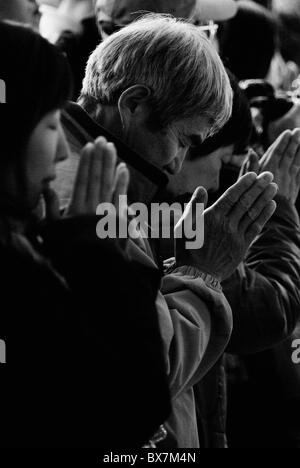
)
(195, 318)
(264, 294)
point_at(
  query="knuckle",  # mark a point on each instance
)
(252, 214)
(256, 228)
(245, 203)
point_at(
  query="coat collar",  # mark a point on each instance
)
(146, 180)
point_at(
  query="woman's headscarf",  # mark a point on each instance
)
(37, 80)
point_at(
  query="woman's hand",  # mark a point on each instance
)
(99, 180)
(283, 160)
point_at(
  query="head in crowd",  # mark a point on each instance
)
(159, 85)
(204, 162)
(22, 11)
(113, 14)
(289, 15)
(248, 42)
(37, 81)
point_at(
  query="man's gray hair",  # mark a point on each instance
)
(173, 59)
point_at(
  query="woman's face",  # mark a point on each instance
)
(203, 172)
(46, 147)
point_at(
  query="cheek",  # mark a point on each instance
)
(41, 156)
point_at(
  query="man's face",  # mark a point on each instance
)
(167, 148)
(204, 171)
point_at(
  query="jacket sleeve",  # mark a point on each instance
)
(264, 293)
(195, 322)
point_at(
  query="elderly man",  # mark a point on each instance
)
(155, 88)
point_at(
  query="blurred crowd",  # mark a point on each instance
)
(129, 341)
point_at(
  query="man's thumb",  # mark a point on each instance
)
(200, 196)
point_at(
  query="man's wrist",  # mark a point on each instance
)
(194, 272)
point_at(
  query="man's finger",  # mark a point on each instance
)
(253, 162)
(248, 199)
(274, 154)
(189, 216)
(234, 193)
(255, 228)
(296, 163)
(291, 150)
(255, 211)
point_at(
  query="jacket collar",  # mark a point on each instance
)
(146, 180)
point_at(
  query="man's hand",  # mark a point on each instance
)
(289, 121)
(231, 225)
(283, 160)
(99, 180)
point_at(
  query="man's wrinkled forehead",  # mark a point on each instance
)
(124, 11)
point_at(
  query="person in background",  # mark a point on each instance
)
(71, 26)
(268, 381)
(22, 11)
(289, 21)
(78, 316)
(249, 46)
(257, 292)
(77, 26)
(114, 14)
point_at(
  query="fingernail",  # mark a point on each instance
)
(111, 145)
(101, 140)
(268, 177)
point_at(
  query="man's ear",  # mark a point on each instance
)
(134, 104)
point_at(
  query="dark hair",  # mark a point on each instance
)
(37, 79)
(236, 132)
(249, 41)
(289, 28)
